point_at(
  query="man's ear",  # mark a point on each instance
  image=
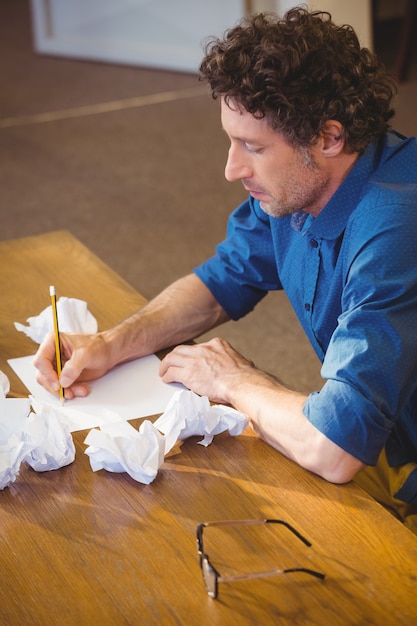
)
(333, 138)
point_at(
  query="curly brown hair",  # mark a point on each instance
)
(300, 71)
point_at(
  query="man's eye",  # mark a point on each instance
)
(255, 149)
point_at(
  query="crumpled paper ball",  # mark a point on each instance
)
(188, 415)
(73, 315)
(13, 446)
(39, 439)
(53, 445)
(119, 447)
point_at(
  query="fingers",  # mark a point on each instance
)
(77, 390)
(203, 368)
(174, 361)
(45, 363)
(72, 368)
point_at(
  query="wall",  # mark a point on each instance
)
(357, 13)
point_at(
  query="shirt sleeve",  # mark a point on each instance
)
(243, 269)
(370, 365)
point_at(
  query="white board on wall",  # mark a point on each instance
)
(158, 33)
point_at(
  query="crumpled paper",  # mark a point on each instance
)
(43, 440)
(73, 315)
(188, 415)
(119, 447)
(53, 445)
(13, 447)
(4, 385)
(40, 439)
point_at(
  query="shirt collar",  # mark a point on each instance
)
(332, 220)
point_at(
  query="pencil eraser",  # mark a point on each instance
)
(51, 290)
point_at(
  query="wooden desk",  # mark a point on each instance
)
(83, 548)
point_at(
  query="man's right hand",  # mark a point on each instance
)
(85, 358)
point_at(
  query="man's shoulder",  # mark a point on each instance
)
(394, 180)
(398, 159)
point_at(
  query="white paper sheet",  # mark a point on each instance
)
(129, 391)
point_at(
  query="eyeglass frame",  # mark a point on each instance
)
(208, 569)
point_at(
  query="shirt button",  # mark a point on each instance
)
(307, 306)
(313, 243)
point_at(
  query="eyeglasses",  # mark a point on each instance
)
(212, 577)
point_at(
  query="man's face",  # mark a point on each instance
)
(284, 179)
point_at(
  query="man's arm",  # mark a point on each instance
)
(216, 370)
(182, 311)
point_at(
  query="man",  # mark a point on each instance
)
(331, 219)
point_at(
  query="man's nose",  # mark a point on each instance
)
(236, 167)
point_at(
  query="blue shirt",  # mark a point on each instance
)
(351, 277)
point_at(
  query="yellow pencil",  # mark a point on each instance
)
(57, 341)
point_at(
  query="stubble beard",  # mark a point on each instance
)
(302, 192)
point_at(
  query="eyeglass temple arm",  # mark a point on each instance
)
(246, 522)
(311, 572)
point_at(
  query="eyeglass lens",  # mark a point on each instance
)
(210, 577)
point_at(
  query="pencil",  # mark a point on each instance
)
(57, 342)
